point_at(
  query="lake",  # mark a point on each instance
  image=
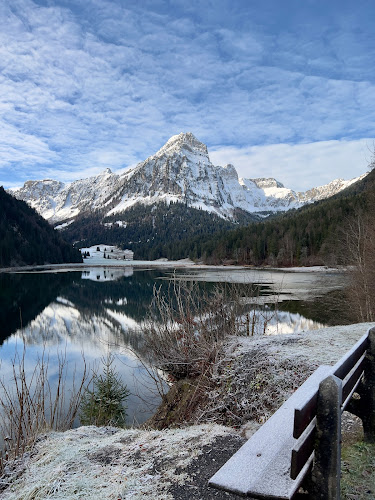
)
(100, 309)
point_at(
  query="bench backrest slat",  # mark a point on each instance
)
(303, 416)
(346, 363)
(301, 452)
(351, 382)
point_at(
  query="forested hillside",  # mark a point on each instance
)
(308, 236)
(312, 235)
(26, 238)
(162, 230)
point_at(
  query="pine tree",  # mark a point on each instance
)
(104, 403)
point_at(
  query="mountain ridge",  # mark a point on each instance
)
(180, 171)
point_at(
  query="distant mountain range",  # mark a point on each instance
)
(323, 233)
(180, 171)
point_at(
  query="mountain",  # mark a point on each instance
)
(27, 238)
(163, 230)
(180, 171)
(312, 235)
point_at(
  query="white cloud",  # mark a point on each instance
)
(299, 166)
(98, 84)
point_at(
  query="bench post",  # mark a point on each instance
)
(327, 463)
(367, 390)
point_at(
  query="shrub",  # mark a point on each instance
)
(104, 403)
(187, 332)
(30, 403)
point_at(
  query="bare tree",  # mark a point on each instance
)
(360, 248)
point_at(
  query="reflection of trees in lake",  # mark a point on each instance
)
(107, 309)
(330, 309)
(128, 295)
(26, 295)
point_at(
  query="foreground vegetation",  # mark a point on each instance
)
(36, 401)
(357, 468)
(31, 402)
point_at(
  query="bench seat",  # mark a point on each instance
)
(261, 467)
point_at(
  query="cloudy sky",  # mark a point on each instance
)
(281, 88)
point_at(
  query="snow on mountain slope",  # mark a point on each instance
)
(180, 171)
(56, 201)
(322, 192)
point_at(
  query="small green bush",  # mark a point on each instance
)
(104, 403)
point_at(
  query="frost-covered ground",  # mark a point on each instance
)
(323, 346)
(105, 463)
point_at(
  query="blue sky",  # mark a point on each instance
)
(281, 88)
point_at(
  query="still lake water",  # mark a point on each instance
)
(97, 310)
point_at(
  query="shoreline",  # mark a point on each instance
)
(157, 264)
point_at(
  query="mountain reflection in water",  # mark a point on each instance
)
(102, 309)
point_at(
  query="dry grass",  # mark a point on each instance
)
(357, 469)
(30, 404)
(251, 386)
(186, 335)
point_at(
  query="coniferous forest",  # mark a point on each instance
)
(27, 238)
(163, 230)
(311, 235)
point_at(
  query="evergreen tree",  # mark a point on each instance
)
(26, 238)
(104, 403)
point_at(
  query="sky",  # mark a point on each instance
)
(279, 88)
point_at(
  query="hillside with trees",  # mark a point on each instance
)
(315, 234)
(160, 230)
(310, 235)
(27, 239)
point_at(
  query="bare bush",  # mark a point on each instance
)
(186, 331)
(30, 404)
(183, 341)
(359, 244)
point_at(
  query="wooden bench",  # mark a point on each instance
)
(300, 443)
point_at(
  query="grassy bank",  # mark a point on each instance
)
(358, 471)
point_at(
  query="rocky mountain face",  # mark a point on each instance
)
(180, 171)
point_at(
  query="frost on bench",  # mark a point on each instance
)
(261, 467)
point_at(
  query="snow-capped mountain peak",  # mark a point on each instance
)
(184, 143)
(268, 182)
(181, 171)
